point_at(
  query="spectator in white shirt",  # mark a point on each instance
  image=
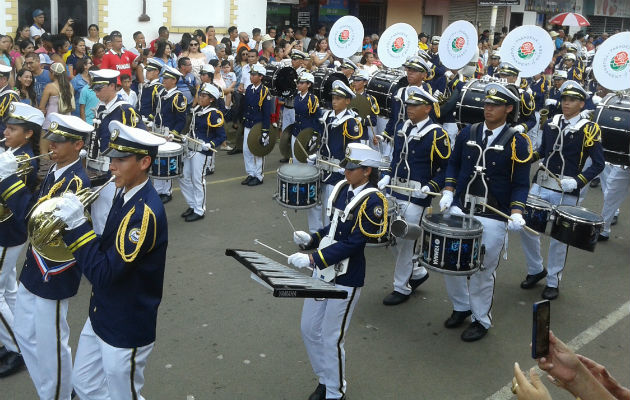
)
(254, 42)
(125, 93)
(37, 29)
(234, 39)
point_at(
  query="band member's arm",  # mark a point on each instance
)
(390, 128)
(520, 176)
(441, 154)
(15, 194)
(266, 109)
(529, 107)
(450, 104)
(365, 223)
(541, 152)
(593, 149)
(217, 124)
(179, 109)
(140, 236)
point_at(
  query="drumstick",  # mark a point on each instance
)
(554, 176)
(284, 213)
(274, 250)
(302, 147)
(504, 215)
(329, 163)
(411, 190)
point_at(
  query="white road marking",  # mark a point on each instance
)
(581, 340)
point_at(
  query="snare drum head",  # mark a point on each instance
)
(170, 148)
(456, 224)
(581, 214)
(298, 172)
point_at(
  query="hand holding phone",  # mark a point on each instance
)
(540, 329)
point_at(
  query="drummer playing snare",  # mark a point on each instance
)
(420, 158)
(568, 140)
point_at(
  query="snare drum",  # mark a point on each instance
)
(386, 238)
(537, 213)
(169, 161)
(576, 226)
(298, 186)
(451, 244)
(382, 85)
(613, 118)
(469, 108)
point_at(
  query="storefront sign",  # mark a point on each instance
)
(499, 2)
(545, 6)
(304, 18)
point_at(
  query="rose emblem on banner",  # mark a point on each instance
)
(399, 44)
(619, 61)
(344, 36)
(526, 51)
(458, 44)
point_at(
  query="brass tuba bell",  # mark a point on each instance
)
(45, 230)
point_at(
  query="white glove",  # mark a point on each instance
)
(520, 128)
(83, 153)
(568, 184)
(384, 182)
(301, 238)
(170, 137)
(70, 210)
(586, 114)
(516, 223)
(149, 124)
(312, 159)
(551, 102)
(380, 138)
(446, 200)
(448, 74)
(264, 139)
(454, 210)
(436, 93)
(341, 171)
(299, 260)
(206, 146)
(596, 99)
(8, 164)
(421, 193)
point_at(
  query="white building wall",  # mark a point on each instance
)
(123, 16)
(216, 13)
(251, 14)
(529, 17)
(4, 17)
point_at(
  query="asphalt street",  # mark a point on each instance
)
(223, 336)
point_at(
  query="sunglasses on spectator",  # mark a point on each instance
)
(194, 44)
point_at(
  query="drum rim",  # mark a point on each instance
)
(559, 210)
(298, 179)
(456, 233)
(448, 271)
(542, 202)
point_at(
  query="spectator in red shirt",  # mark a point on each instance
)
(163, 34)
(117, 59)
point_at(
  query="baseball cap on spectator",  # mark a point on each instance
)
(37, 13)
(553, 34)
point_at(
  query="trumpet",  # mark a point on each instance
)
(544, 115)
(45, 230)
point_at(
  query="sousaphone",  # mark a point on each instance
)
(254, 138)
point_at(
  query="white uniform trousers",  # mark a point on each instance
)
(387, 147)
(324, 326)
(617, 188)
(316, 220)
(193, 181)
(452, 130)
(288, 117)
(253, 165)
(99, 210)
(403, 250)
(8, 294)
(42, 332)
(557, 250)
(163, 186)
(477, 293)
(104, 372)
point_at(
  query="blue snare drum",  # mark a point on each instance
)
(537, 213)
(298, 186)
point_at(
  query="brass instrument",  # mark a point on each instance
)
(544, 115)
(24, 168)
(45, 230)
(192, 143)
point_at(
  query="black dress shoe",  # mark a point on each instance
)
(602, 238)
(283, 160)
(235, 151)
(246, 180)
(550, 293)
(187, 212)
(12, 364)
(166, 198)
(341, 398)
(614, 220)
(254, 182)
(475, 331)
(594, 183)
(319, 393)
(4, 352)
(209, 172)
(414, 283)
(193, 217)
(395, 298)
(531, 280)
(456, 319)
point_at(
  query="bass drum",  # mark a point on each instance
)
(382, 85)
(324, 78)
(613, 117)
(469, 108)
(281, 80)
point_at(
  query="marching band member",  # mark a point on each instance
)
(359, 84)
(526, 118)
(570, 65)
(421, 152)
(207, 126)
(151, 93)
(433, 51)
(173, 107)
(126, 269)
(41, 307)
(507, 180)
(617, 185)
(495, 60)
(111, 108)
(568, 141)
(7, 95)
(552, 103)
(540, 89)
(258, 105)
(298, 59)
(307, 110)
(348, 68)
(340, 127)
(325, 323)
(22, 133)
(288, 103)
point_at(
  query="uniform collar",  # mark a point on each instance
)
(154, 82)
(358, 189)
(112, 103)
(341, 114)
(170, 92)
(59, 171)
(254, 87)
(495, 132)
(129, 194)
(571, 121)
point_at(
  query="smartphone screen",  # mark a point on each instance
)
(540, 331)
